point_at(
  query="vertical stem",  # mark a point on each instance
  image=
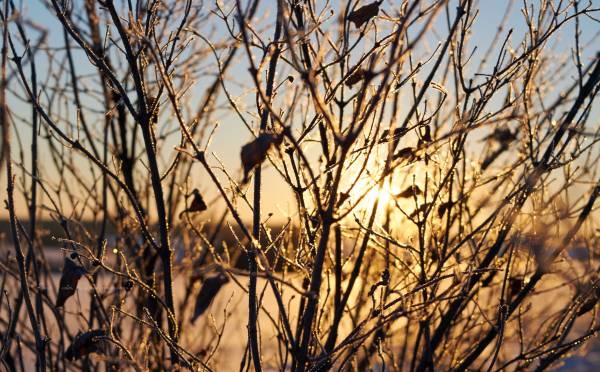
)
(338, 268)
(253, 306)
(34, 186)
(32, 206)
(144, 114)
(39, 341)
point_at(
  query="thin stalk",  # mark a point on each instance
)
(256, 218)
(39, 341)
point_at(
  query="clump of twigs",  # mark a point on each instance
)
(299, 185)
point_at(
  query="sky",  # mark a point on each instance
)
(231, 134)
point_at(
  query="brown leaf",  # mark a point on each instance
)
(85, 343)
(493, 156)
(197, 205)
(255, 152)
(407, 153)
(68, 281)
(384, 281)
(435, 256)
(363, 14)
(358, 75)
(514, 286)
(314, 219)
(210, 289)
(427, 135)
(422, 208)
(444, 207)
(410, 192)
(503, 136)
(342, 198)
(398, 133)
(587, 306)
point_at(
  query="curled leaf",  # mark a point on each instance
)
(197, 205)
(314, 219)
(503, 136)
(397, 133)
(422, 209)
(587, 306)
(255, 152)
(210, 288)
(410, 192)
(94, 341)
(383, 282)
(342, 198)
(426, 137)
(68, 281)
(514, 286)
(435, 256)
(407, 153)
(357, 76)
(493, 156)
(443, 208)
(363, 14)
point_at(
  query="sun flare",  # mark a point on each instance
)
(381, 193)
(367, 191)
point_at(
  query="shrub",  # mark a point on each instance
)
(299, 185)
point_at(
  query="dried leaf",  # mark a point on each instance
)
(383, 282)
(587, 306)
(363, 14)
(314, 219)
(197, 205)
(422, 208)
(398, 133)
(342, 198)
(407, 153)
(514, 286)
(444, 207)
(68, 281)
(493, 156)
(435, 256)
(85, 343)
(503, 136)
(357, 76)
(537, 245)
(410, 192)
(255, 152)
(210, 289)
(427, 135)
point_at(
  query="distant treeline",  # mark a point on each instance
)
(52, 237)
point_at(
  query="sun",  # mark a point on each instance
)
(381, 193)
(370, 192)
